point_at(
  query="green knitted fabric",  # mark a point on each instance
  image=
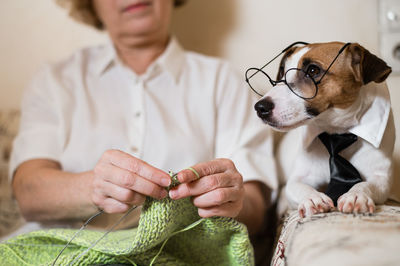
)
(213, 241)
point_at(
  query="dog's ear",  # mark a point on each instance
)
(281, 70)
(367, 67)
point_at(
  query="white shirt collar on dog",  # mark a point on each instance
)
(372, 123)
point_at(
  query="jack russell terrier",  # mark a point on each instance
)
(334, 97)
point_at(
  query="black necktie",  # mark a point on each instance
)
(343, 174)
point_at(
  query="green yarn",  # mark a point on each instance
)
(194, 171)
(170, 232)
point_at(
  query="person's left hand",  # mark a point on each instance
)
(218, 192)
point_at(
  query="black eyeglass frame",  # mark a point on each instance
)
(275, 82)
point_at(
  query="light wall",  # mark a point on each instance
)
(246, 32)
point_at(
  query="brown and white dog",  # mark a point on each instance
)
(348, 99)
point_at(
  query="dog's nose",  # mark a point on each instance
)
(264, 107)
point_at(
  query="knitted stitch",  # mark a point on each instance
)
(213, 241)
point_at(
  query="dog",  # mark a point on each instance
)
(335, 88)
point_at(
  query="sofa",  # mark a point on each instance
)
(340, 239)
(324, 239)
(10, 218)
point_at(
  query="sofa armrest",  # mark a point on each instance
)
(340, 239)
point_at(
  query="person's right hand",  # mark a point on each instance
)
(121, 180)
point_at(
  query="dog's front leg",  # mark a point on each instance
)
(306, 199)
(363, 196)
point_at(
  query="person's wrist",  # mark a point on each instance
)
(254, 207)
(86, 181)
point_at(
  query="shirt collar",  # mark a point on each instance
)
(106, 58)
(371, 125)
(171, 60)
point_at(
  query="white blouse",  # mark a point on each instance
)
(187, 108)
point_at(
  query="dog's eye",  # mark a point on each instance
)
(313, 71)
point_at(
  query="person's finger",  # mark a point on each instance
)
(110, 205)
(137, 166)
(230, 209)
(205, 169)
(217, 197)
(122, 194)
(142, 185)
(132, 181)
(203, 185)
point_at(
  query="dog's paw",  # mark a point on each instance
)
(315, 203)
(357, 202)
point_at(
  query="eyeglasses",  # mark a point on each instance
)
(300, 81)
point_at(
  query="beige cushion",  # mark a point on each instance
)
(10, 218)
(340, 239)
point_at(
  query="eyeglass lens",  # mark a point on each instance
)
(300, 83)
(296, 79)
(258, 81)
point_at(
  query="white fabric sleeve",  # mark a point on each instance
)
(241, 135)
(38, 135)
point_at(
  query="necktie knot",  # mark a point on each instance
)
(335, 143)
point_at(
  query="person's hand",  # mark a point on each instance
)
(218, 192)
(121, 180)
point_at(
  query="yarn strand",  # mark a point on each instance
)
(194, 171)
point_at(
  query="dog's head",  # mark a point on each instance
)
(338, 87)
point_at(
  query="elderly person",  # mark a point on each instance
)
(101, 129)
